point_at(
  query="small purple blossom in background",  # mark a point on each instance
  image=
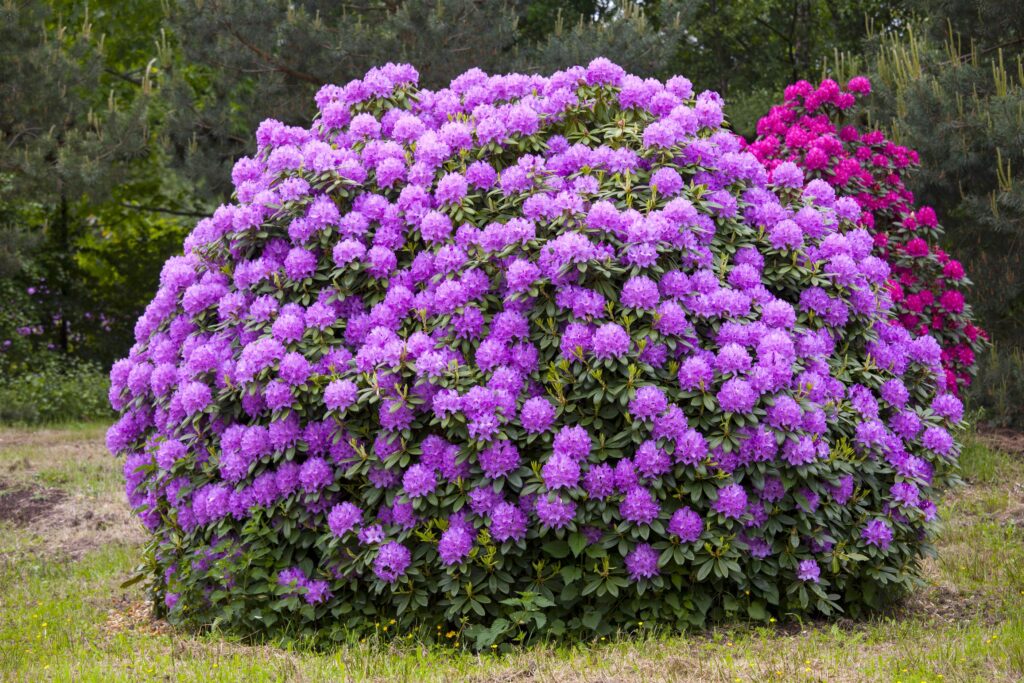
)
(555, 512)
(343, 518)
(642, 562)
(610, 341)
(561, 471)
(418, 481)
(686, 524)
(648, 403)
(340, 394)
(537, 415)
(455, 545)
(391, 562)
(808, 570)
(639, 506)
(508, 523)
(878, 533)
(732, 501)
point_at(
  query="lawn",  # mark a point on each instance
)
(67, 542)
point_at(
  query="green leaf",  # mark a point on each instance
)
(557, 549)
(577, 543)
(591, 620)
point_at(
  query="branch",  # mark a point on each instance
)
(269, 59)
(963, 58)
(160, 209)
(123, 77)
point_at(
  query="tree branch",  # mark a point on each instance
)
(963, 58)
(269, 59)
(124, 77)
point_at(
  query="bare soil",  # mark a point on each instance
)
(1006, 440)
(21, 505)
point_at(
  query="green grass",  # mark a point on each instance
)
(64, 616)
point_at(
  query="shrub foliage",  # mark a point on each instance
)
(526, 355)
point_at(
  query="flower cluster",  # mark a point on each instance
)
(558, 336)
(808, 136)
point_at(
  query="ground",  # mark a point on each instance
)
(68, 542)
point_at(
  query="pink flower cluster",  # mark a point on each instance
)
(809, 130)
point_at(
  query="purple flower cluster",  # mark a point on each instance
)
(429, 339)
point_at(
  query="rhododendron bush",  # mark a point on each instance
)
(814, 129)
(527, 355)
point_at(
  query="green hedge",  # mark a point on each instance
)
(57, 390)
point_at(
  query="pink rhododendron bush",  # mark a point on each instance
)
(814, 130)
(527, 356)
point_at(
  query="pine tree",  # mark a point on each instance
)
(72, 134)
(954, 90)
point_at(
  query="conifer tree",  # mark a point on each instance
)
(954, 90)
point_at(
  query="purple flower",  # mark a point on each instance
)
(561, 471)
(640, 292)
(692, 448)
(695, 373)
(481, 174)
(666, 181)
(938, 440)
(300, 264)
(294, 369)
(576, 340)
(648, 403)
(737, 396)
(521, 275)
(288, 327)
(455, 544)
(878, 533)
(343, 518)
(317, 591)
(315, 474)
(537, 415)
(507, 522)
(808, 570)
(369, 535)
(498, 460)
(732, 501)
(573, 442)
(602, 71)
(639, 505)
(786, 235)
(418, 481)
(340, 394)
(787, 174)
(195, 397)
(451, 188)
(555, 512)
(895, 393)
(435, 227)
(293, 577)
(392, 561)
(610, 341)
(642, 562)
(948, 406)
(599, 481)
(686, 524)
(905, 493)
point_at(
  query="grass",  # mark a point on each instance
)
(64, 616)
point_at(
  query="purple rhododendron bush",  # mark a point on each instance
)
(527, 356)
